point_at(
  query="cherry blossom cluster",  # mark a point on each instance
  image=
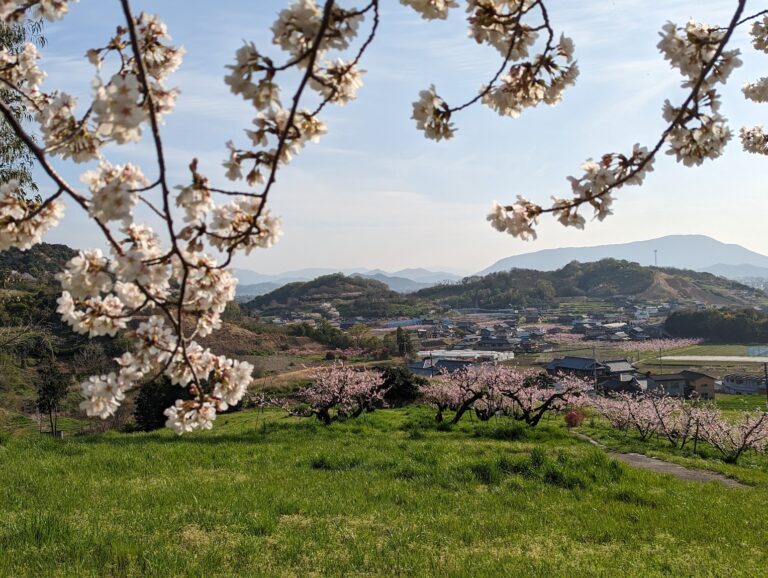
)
(17, 10)
(753, 139)
(339, 390)
(431, 9)
(517, 219)
(307, 33)
(693, 48)
(433, 115)
(492, 390)
(523, 81)
(528, 84)
(23, 222)
(681, 421)
(697, 51)
(122, 102)
(612, 171)
(696, 131)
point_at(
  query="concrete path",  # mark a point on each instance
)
(662, 467)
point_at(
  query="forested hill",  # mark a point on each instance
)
(42, 261)
(327, 287)
(352, 296)
(608, 278)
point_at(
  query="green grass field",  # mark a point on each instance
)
(744, 402)
(388, 494)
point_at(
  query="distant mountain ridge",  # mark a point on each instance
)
(253, 284)
(694, 252)
(399, 284)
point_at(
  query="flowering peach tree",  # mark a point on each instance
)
(340, 391)
(525, 395)
(167, 288)
(681, 421)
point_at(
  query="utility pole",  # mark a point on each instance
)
(594, 365)
(655, 257)
(765, 371)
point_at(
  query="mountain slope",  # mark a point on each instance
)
(399, 284)
(740, 271)
(424, 275)
(256, 289)
(42, 261)
(695, 252)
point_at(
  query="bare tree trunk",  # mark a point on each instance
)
(324, 416)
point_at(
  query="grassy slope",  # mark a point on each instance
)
(384, 495)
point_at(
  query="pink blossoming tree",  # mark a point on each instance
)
(339, 391)
(681, 421)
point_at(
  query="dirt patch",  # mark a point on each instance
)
(666, 287)
(234, 341)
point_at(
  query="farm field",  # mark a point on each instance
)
(655, 362)
(387, 494)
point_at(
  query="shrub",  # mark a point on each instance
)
(401, 386)
(152, 400)
(574, 418)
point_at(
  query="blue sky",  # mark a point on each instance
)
(375, 193)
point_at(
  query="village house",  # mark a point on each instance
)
(496, 341)
(616, 369)
(581, 325)
(684, 384)
(617, 385)
(432, 363)
(430, 367)
(621, 368)
(467, 342)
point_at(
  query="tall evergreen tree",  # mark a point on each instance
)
(51, 391)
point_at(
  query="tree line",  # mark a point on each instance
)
(719, 325)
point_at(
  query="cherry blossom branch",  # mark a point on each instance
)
(514, 19)
(41, 158)
(615, 170)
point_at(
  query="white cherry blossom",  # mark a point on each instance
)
(433, 116)
(431, 9)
